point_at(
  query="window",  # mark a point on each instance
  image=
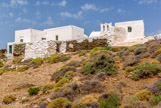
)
(103, 28)
(56, 38)
(43, 39)
(21, 40)
(108, 28)
(129, 29)
(10, 49)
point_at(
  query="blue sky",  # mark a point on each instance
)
(88, 14)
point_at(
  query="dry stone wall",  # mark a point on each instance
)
(3, 53)
(44, 49)
(19, 49)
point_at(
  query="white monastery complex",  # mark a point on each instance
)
(117, 35)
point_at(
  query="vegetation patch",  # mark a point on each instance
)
(103, 63)
(54, 59)
(33, 91)
(1, 64)
(64, 58)
(9, 99)
(144, 94)
(140, 50)
(156, 87)
(38, 61)
(59, 103)
(82, 53)
(94, 50)
(145, 70)
(47, 87)
(22, 68)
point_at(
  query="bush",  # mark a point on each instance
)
(47, 87)
(159, 58)
(135, 46)
(156, 87)
(101, 76)
(61, 83)
(158, 51)
(145, 70)
(140, 50)
(130, 62)
(38, 61)
(107, 48)
(103, 63)
(22, 68)
(124, 48)
(129, 69)
(111, 102)
(82, 53)
(94, 50)
(155, 100)
(1, 64)
(54, 59)
(89, 86)
(59, 103)
(115, 49)
(60, 74)
(74, 63)
(33, 91)
(155, 62)
(9, 99)
(144, 94)
(5, 69)
(64, 58)
(87, 102)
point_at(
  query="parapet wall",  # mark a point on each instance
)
(45, 49)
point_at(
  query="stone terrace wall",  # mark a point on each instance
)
(73, 46)
(44, 49)
(3, 53)
(19, 49)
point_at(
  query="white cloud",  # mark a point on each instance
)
(62, 3)
(49, 21)
(76, 16)
(147, 1)
(104, 10)
(11, 14)
(19, 19)
(89, 7)
(14, 3)
(119, 10)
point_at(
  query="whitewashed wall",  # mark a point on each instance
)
(137, 29)
(23, 34)
(64, 33)
(40, 49)
(37, 35)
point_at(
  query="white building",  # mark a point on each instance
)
(58, 34)
(123, 31)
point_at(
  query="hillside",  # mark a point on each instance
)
(109, 77)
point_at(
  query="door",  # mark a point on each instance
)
(10, 49)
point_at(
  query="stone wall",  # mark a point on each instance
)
(44, 49)
(41, 49)
(73, 46)
(3, 53)
(19, 49)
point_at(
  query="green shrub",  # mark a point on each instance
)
(5, 69)
(124, 48)
(9, 99)
(1, 64)
(158, 51)
(132, 48)
(159, 58)
(59, 103)
(47, 87)
(38, 61)
(140, 50)
(61, 83)
(129, 69)
(64, 58)
(155, 100)
(87, 102)
(54, 59)
(82, 53)
(144, 94)
(94, 50)
(103, 63)
(107, 48)
(115, 49)
(33, 91)
(111, 102)
(22, 68)
(25, 100)
(145, 70)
